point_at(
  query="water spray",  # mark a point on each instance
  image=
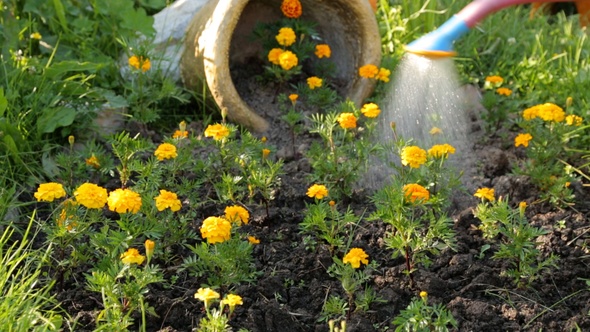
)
(439, 43)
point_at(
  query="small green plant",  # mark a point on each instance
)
(420, 316)
(517, 240)
(335, 308)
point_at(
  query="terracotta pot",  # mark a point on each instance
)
(219, 36)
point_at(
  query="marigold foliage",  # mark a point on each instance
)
(50, 191)
(441, 150)
(216, 230)
(217, 131)
(317, 191)
(291, 8)
(166, 151)
(132, 256)
(522, 139)
(288, 60)
(314, 82)
(355, 257)
(370, 110)
(413, 156)
(368, 71)
(485, 193)
(414, 191)
(323, 51)
(124, 201)
(286, 37)
(91, 196)
(237, 214)
(347, 120)
(167, 199)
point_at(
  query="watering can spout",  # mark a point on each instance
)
(439, 43)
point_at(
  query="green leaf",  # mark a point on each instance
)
(3, 102)
(53, 118)
(139, 21)
(57, 69)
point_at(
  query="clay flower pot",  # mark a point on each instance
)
(219, 36)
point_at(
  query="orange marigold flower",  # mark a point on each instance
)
(522, 139)
(551, 112)
(286, 37)
(217, 131)
(253, 240)
(485, 193)
(124, 200)
(441, 150)
(165, 151)
(216, 230)
(531, 112)
(288, 60)
(413, 156)
(149, 248)
(132, 256)
(291, 8)
(414, 191)
(347, 120)
(139, 62)
(91, 195)
(50, 191)
(573, 120)
(317, 191)
(323, 51)
(494, 79)
(293, 98)
(314, 82)
(355, 257)
(237, 214)
(179, 134)
(383, 75)
(370, 110)
(265, 153)
(368, 71)
(504, 91)
(167, 199)
(274, 54)
(92, 161)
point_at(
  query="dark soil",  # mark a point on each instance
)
(294, 285)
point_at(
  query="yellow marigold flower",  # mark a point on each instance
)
(180, 134)
(413, 156)
(36, 35)
(139, 62)
(149, 248)
(317, 191)
(124, 200)
(216, 230)
(237, 214)
(522, 139)
(414, 191)
(494, 79)
(573, 120)
(347, 120)
(504, 91)
(370, 110)
(165, 151)
(253, 240)
(441, 150)
(522, 207)
(423, 294)
(293, 98)
(265, 153)
(355, 257)
(383, 75)
(286, 37)
(263, 139)
(232, 300)
(567, 184)
(291, 8)
(91, 196)
(132, 256)
(323, 51)
(314, 82)
(531, 113)
(551, 112)
(288, 60)
(331, 203)
(167, 199)
(92, 161)
(435, 131)
(368, 71)
(485, 193)
(274, 54)
(206, 295)
(217, 131)
(50, 191)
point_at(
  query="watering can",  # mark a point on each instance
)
(582, 6)
(439, 43)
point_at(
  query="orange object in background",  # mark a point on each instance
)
(582, 6)
(373, 4)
